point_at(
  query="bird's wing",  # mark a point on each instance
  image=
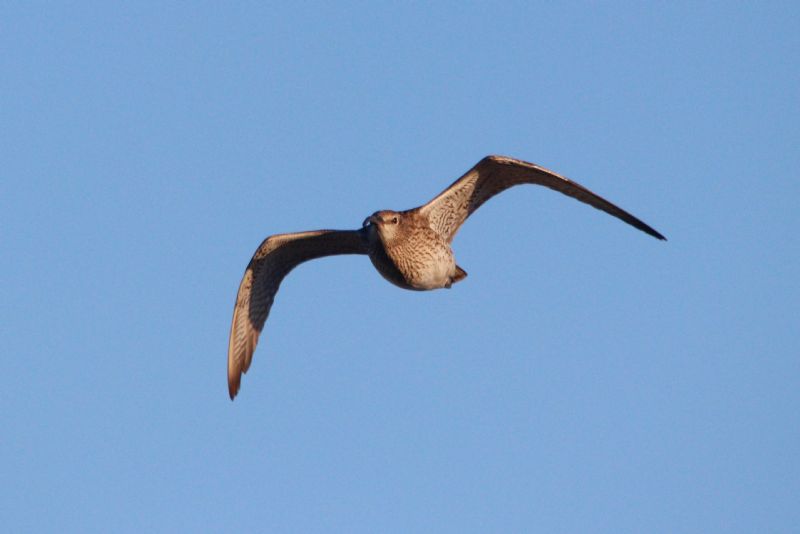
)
(494, 174)
(272, 261)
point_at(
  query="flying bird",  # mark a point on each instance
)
(410, 249)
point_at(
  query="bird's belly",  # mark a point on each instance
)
(425, 267)
(421, 262)
(420, 276)
(433, 275)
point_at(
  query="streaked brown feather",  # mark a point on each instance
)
(494, 174)
(272, 261)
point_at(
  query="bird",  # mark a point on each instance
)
(410, 249)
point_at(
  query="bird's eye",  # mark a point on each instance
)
(394, 220)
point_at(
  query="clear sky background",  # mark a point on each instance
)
(584, 377)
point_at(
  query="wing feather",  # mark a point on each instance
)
(494, 174)
(272, 261)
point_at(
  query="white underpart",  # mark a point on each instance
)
(436, 274)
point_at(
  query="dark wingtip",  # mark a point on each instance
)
(644, 227)
(657, 235)
(233, 389)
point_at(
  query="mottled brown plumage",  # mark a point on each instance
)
(410, 249)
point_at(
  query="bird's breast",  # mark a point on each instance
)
(419, 261)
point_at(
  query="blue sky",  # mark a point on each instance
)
(584, 377)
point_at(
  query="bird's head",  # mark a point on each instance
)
(385, 222)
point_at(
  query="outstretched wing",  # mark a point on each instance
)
(494, 174)
(273, 260)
